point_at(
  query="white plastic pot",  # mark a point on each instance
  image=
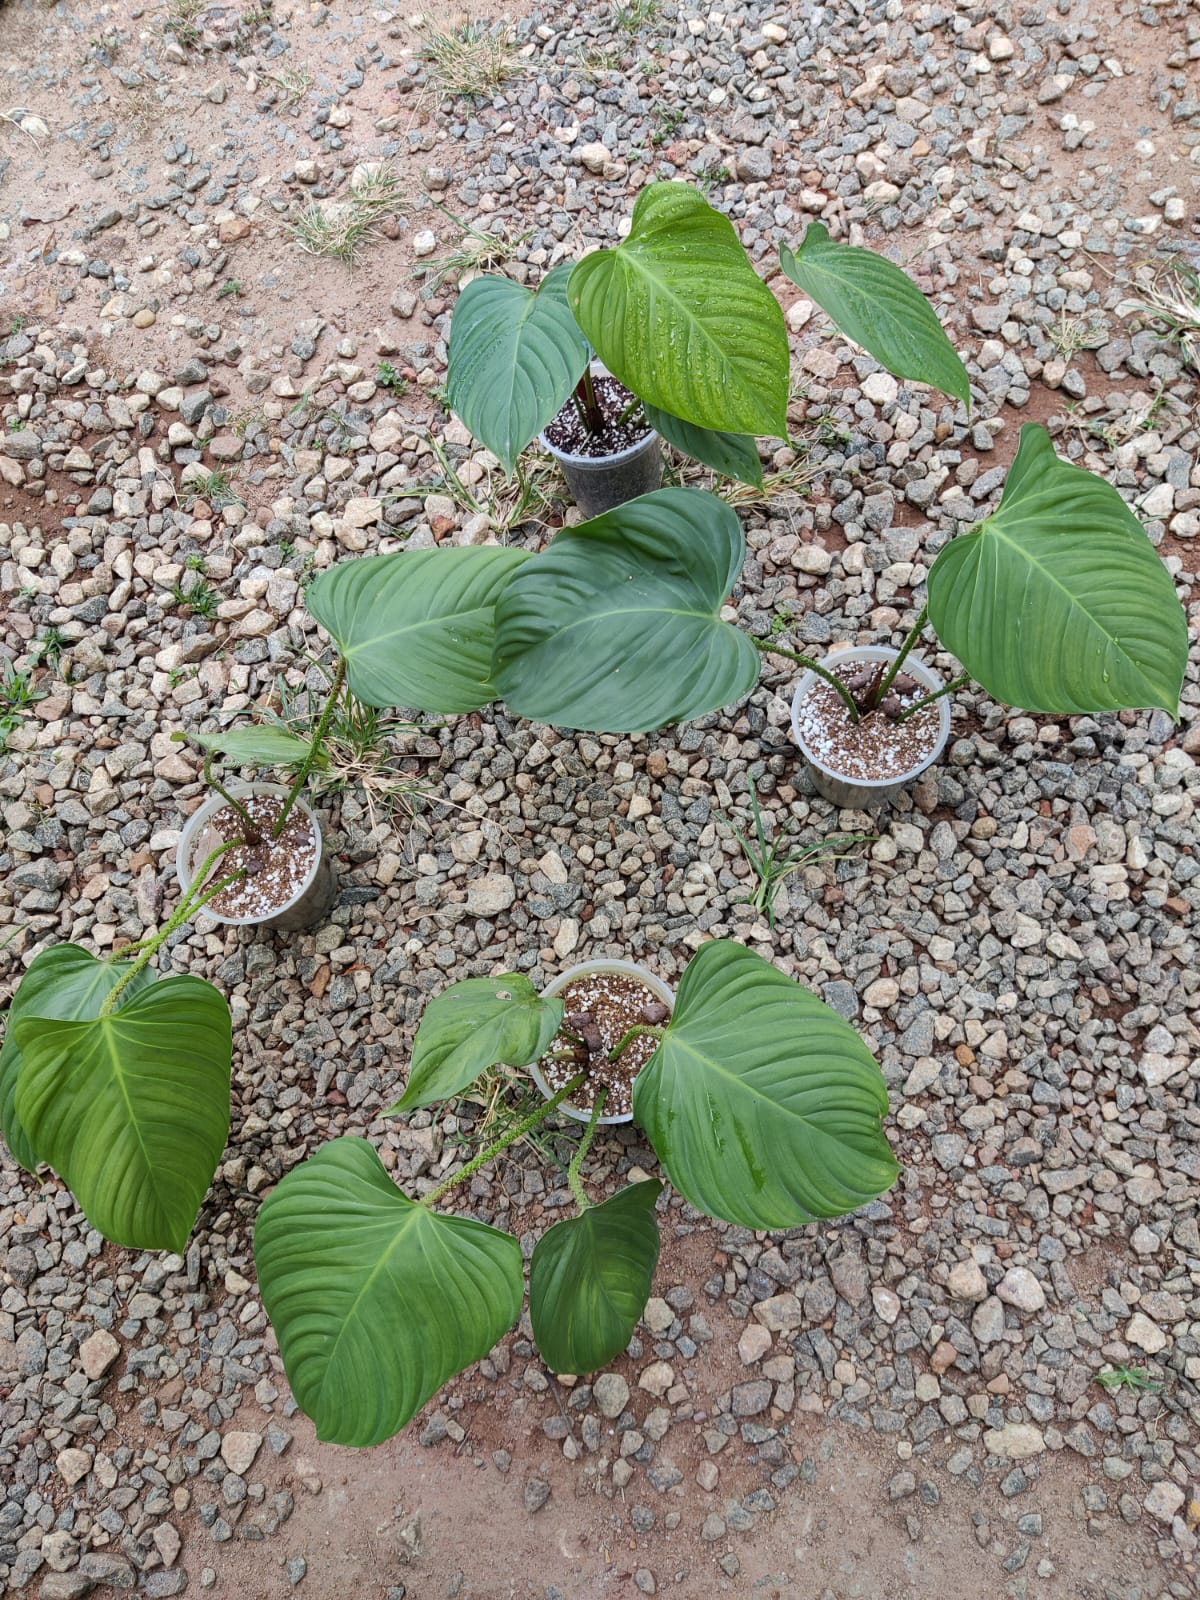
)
(310, 904)
(851, 792)
(600, 965)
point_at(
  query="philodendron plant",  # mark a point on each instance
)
(679, 316)
(1055, 603)
(763, 1105)
(119, 1079)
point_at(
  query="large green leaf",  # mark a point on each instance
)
(514, 358)
(878, 306)
(590, 1277)
(416, 628)
(764, 1106)
(616, 628)
(261, 745)
(132, 1109)
(1058, 602)
(376, 1300)
(679, 314)
(66, 984)
(734, 455)
(477, 1024)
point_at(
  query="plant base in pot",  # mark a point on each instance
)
(604, 999)
(606, 468)
(864, 764)
(289, 882)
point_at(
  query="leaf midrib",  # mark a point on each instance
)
(992, 529)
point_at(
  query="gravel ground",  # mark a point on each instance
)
(1018, 944)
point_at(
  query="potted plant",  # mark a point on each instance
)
(286, 880)
(691, 345)
(1056, 603)
(120, 1079)
(763, 1105)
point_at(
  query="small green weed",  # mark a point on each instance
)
(181, 19)
(50, 646)
(1168, 300)
(772, 864)
(1135, 1378)
(200, 598)
(17, 695)
(632, 15)
(231, 289)
(215, 487)
(387, 377)
(477, 252)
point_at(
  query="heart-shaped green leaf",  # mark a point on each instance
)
(878, 306)
(733, 455)
(616, 628)
(477, 1024)
(590, 1278)
(416, 628)
(1058, 601)
(764, 1106)
(376, 1301)
(679, 314)
(260, 746)
(66, 984)
(132, 1109)
(514, 358)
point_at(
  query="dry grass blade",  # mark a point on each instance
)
(477, 251)
(471, 59)
(1169, 298)
(339, 228)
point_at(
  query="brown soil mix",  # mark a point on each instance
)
(275, 869)
(569, 432)
(876, 748)
(601, 1008)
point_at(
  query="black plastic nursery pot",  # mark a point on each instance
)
(841, 765)
(600, 483)
(298, 894)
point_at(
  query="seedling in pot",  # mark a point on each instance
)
(120, 1079)
(763, 1106)
(692, 341)
(1055, 603)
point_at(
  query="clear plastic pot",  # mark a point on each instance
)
(852, 792)
(599, 483)
(600, 965)
(311, 903)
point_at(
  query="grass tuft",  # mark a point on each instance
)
(471, 59)
(772, 863)
(339, 229)
(1168, 299)
(477, 252)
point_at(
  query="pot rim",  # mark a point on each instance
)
(599, 463)
(920, 670)
(601, 964)
(194, 826)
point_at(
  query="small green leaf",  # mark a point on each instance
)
(259, 746)
(416, 628)
(764, 1106)
(733, 455)
(132, 1109)
(477, 1024)
(65, 984)
(878, 306)
(679, 314)
(1058, 602)
(590, 1278)
(616, 628)
(376, 1301)
(514, 358)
